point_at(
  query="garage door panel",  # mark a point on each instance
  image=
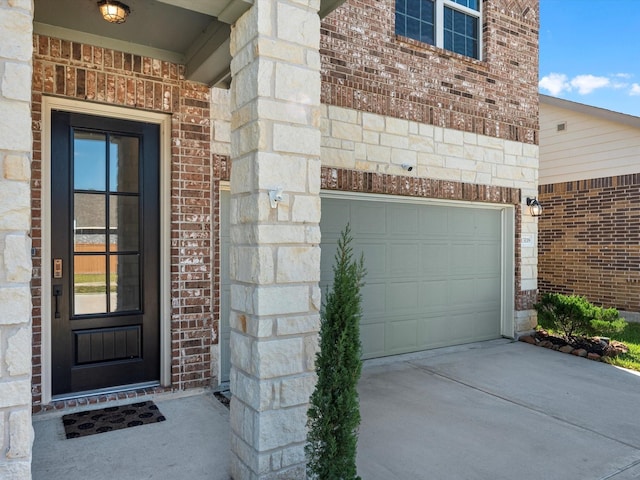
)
(488, 258)
(434, 294)
(402, 258)
(402, 297)
(403, 220)
(462, 222)
(486, 288)
(375, 257)
(437, 332)
(488, 224)
(374, 304)
(462, 291)
(401, 335)
(485, 324)
(368, 218)
(433, 273)
(462, 257)
(334, 218)
(372, 340)
(433, 222)
(435, 259)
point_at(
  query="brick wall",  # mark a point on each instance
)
(497, 96)
(588, 242)
(96, 74)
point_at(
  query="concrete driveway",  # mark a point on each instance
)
(490, 410)
(498, 410)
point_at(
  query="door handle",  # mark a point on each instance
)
(57, 293)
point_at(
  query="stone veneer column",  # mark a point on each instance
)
(16, 433)
(275, 253)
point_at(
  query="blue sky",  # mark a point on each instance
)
(590, 52)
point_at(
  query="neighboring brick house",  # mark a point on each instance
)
(422, 135)
(589, 188)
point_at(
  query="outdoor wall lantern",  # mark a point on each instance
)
(113, 11)
(534, 207)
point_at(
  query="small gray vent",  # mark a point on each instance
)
(562, 126)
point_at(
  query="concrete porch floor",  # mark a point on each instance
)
(193, 443)
(490, 410)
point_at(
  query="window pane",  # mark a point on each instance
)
(125, 286)
(89, 284)
(426, 34)
(415, 19)
(89, 161)
(413, 28)
(413, 8)
(473, 4)
(461, 33)
(123, 223)
(89, 222)
(123, 164)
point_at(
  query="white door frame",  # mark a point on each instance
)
(164, 123)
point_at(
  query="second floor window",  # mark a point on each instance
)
(450, 24)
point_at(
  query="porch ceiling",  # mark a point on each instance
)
(194, 33)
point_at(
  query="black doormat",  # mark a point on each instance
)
(107, 419)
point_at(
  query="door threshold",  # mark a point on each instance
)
(104, 391)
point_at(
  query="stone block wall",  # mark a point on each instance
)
(16, 433)
(96, 74)
(589, 240)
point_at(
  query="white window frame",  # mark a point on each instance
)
(440, 4)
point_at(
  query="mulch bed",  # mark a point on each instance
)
(594, 348)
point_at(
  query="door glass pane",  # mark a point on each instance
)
(123, 223)
(89, 161)
(123, 164)
(89, 284)
(125, 287)
(89, 222)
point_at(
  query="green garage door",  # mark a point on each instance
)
(433, 271)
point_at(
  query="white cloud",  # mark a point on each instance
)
(558, 83)
(588, 83)
(555, 83)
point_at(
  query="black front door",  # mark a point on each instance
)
(105, 252)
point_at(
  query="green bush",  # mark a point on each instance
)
(334, 411)
(574, 316)
(607, 322)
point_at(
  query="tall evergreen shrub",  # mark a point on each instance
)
(334, 413)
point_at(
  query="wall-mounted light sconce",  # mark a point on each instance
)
(113, 11)
(275, 196)
(407, 167)
(534, 207)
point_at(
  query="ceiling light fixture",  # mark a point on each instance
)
(113, 12)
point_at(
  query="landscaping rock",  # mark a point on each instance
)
(616, 348)
(594, 348)
(528, 339)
